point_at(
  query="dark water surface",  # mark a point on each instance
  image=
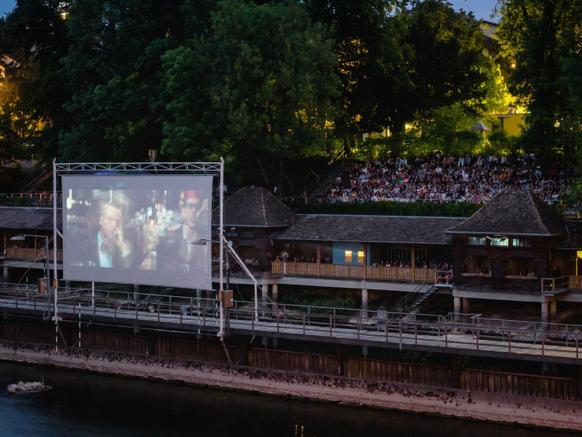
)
(94, 405)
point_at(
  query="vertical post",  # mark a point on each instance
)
(413, 263)
(47, 270)
(545, 311)
(79, 325)
(364, 311)
(93, 294)
(55, 249)
(274, 297)
(221, 255)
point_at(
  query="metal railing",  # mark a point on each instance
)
(551, 286)
(42, 199)
(470, 333)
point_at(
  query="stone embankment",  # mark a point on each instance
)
(555, 414)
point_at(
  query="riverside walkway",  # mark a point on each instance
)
(468, 334)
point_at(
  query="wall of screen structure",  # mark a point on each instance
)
(139, 229)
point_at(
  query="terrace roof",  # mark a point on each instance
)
(370, 229)
(40, 219)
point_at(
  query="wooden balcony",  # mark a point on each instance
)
(575, 282)
(30, 254)
(347, 271)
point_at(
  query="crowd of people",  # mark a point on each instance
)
(445, 178)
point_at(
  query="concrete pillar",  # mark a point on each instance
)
(466, 306)
(274, 292)
(553, 310)
(5, 275)
(264, 298)
(135, 292)
(457, 304)
(545, 311)
(364, 303)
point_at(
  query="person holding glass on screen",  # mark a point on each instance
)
(109, 248)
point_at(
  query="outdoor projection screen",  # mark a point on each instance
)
(141, 229)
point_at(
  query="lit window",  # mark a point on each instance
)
(500, 241)
(520, 242)
(477, 241)
(348, 256)
(360, 257)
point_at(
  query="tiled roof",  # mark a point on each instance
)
(255, 207)
(518, 213)
(40, 219)
(370, 229)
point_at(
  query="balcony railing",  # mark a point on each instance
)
(575, 282)
(30, 254)
(347, 271)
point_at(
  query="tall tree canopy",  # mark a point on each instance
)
(545, 41)
(260, 87)
(113, 70)
(34, 38)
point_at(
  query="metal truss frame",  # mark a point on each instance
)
(60, 168)
(154, 167)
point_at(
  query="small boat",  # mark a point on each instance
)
(27, 387)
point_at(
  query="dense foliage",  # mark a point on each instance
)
(419, 208)
(267, 83)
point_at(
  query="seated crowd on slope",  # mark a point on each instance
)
(444, 178)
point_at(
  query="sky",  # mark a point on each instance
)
(6, 6)
(480, 8)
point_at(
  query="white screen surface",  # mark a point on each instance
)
(141, 229)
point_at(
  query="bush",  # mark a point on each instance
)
(418, 208)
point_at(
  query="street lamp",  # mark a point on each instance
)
(23, 237)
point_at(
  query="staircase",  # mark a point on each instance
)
(323, 188)
(40, 182)
(419, 299)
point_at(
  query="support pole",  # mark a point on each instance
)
(553, 310)
(55, 256)
(221, 255)
(93, 294)
(545, 311)
(466, 306)
(364, 303)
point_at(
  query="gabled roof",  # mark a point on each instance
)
(39, 219)
(518, 213)
(255, 207)
(369, 229)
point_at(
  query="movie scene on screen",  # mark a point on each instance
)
(138, 229)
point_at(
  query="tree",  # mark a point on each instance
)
(260, 88)
(370, 58)
(113, 70)
(33, 40)
(545, 39)
(446, 65)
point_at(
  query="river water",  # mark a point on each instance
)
(83, 404)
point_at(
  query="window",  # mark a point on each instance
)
(360, 257)
(348, 256)
(520, 242)
(500, 241)
(477, 241)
